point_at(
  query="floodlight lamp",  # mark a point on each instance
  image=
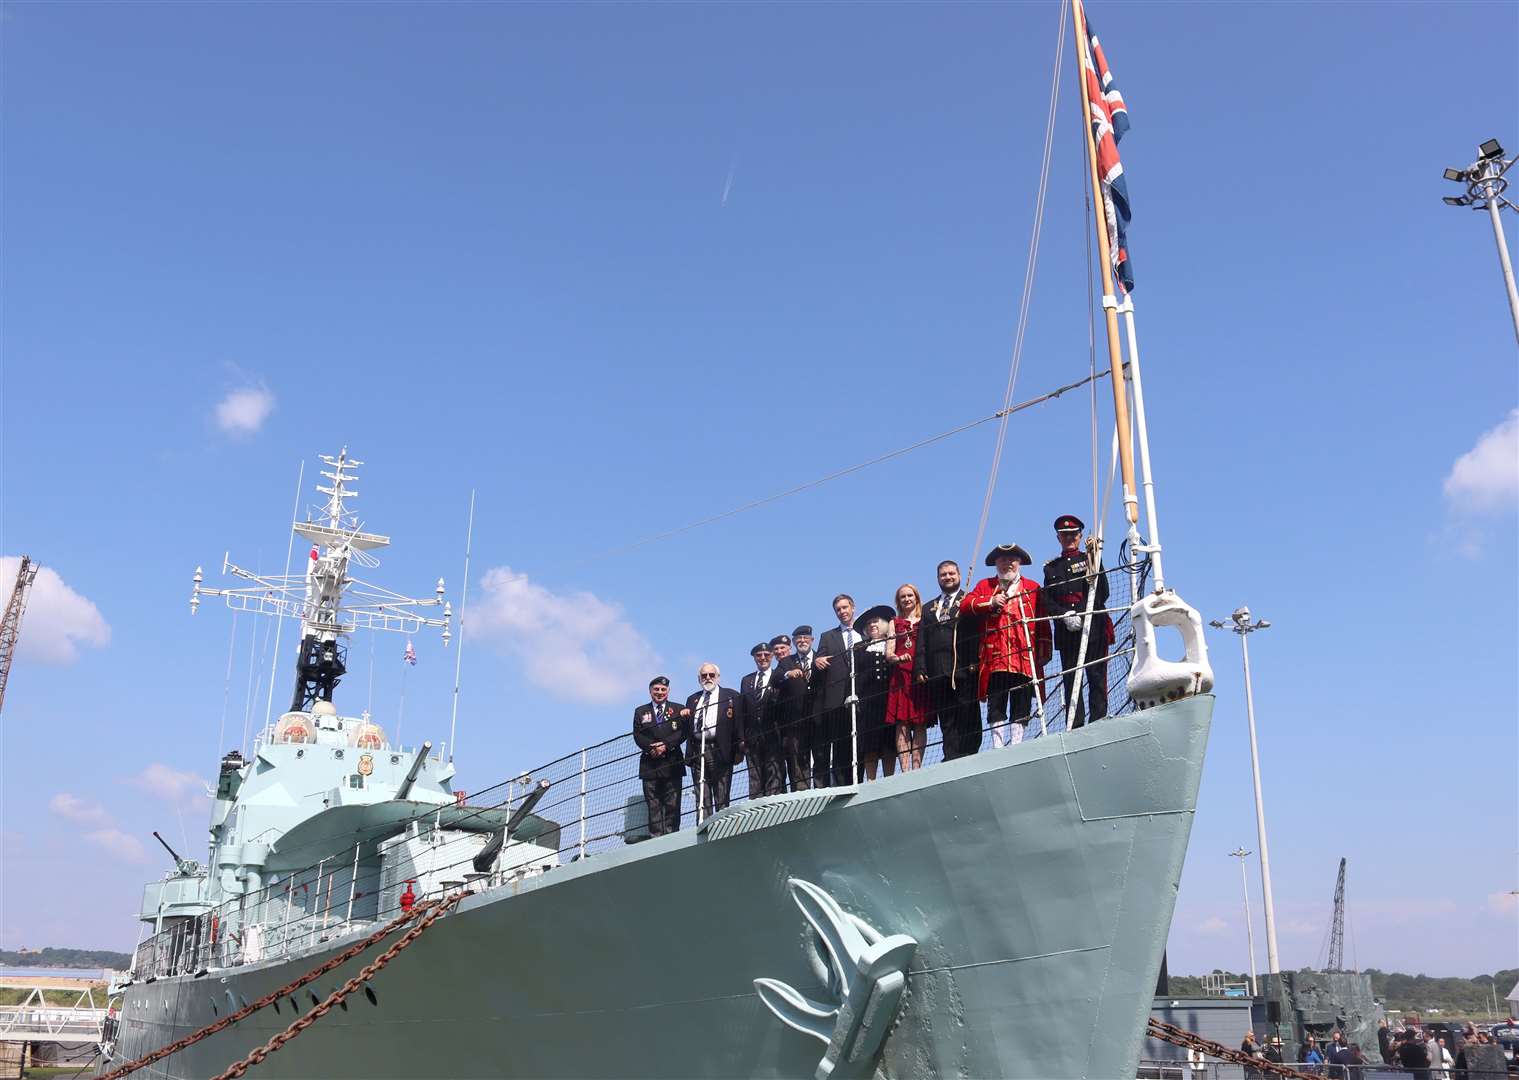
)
(1454, 200)
(1490, 149)
(1263, 624)
(1216, 624)
(1457, 175)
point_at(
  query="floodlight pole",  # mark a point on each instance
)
(1241, 854)
(1241, 625)
(1487, 176)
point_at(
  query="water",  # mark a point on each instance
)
(53, 973)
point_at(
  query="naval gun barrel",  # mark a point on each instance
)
(487, 855)
(172, 853)
(411, 773)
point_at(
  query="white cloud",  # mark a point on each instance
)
(99, 830)
(575, 645)
(1503, 903)
(1214, 926)
(57, 621)
(243, 412)
(1486, 477)
(81, 811)
(123, 847)
(168, 784)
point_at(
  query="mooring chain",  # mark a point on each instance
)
(1176, 1036)
(269, 999)
(338, 995)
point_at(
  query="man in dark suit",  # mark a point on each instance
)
(712, 747)
(762, 739)
(832, 688)
(793, 674)
(945, 664)
(659, 731)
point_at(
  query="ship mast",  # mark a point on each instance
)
(329, 603)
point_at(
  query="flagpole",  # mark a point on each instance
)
(1109, 300)
(1127, 308)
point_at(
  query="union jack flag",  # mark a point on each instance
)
(411, 654)
(1110, 119)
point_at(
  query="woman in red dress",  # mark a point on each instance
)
(905, 706)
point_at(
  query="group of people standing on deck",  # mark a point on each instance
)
(868, 689)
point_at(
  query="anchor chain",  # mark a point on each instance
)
(1159, 1029)
(336, 997)
(270, 998)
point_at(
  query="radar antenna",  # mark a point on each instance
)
(10, 625)
(330, 604)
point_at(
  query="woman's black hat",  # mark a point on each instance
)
(880, 611)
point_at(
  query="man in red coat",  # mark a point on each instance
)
(1015, 643)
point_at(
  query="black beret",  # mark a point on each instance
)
(660, 680)
(1069, 523)
(761, 647)
(802, 631)
(779, 639)
(1008, 549)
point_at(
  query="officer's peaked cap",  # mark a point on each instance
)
(1069, 523)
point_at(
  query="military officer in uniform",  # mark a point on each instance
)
(718, 723)
(1068, 578)
(659, 730)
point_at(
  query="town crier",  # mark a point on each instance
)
(1015, 643)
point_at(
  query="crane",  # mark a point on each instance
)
(1336, 941)
(10, 625)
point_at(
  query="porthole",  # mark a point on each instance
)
(315, 1001)
(395, 759)
(338, 754)
(342, 1002)
(369, 993)
(214, 1010)
(293, 1006)
(300, 753)
(276, 1004)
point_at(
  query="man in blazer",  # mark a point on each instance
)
(762, 740)
(832, 754)
(659, 731)
(716, 728)
(944, 663)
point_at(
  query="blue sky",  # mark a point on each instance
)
(488, 247)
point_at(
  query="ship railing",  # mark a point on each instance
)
(1213, 1069)
(596, 801)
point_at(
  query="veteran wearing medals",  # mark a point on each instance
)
(945, 665)
(761, 735)
(794, 673)
(659, 730)
(717, 726)
(1069, 579)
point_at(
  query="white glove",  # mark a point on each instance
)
(1072, 623)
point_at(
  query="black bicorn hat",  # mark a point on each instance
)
(802, 631)
(779, 639)
(1014, 550)
(1069, 523)
(659, 680)
(880, 611)
(761, 647)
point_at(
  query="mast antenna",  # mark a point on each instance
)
(330, 603)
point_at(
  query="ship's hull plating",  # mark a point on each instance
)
(1039, 882)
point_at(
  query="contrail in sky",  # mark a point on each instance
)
(728, 183)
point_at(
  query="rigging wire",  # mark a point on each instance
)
(221, 732)
(279, 623)
(248, 698)
(1000, 414)
(1028, 285)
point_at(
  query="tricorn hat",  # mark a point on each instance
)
(1013, 550)
(880, 611)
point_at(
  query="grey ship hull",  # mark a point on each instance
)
(1038, 880)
